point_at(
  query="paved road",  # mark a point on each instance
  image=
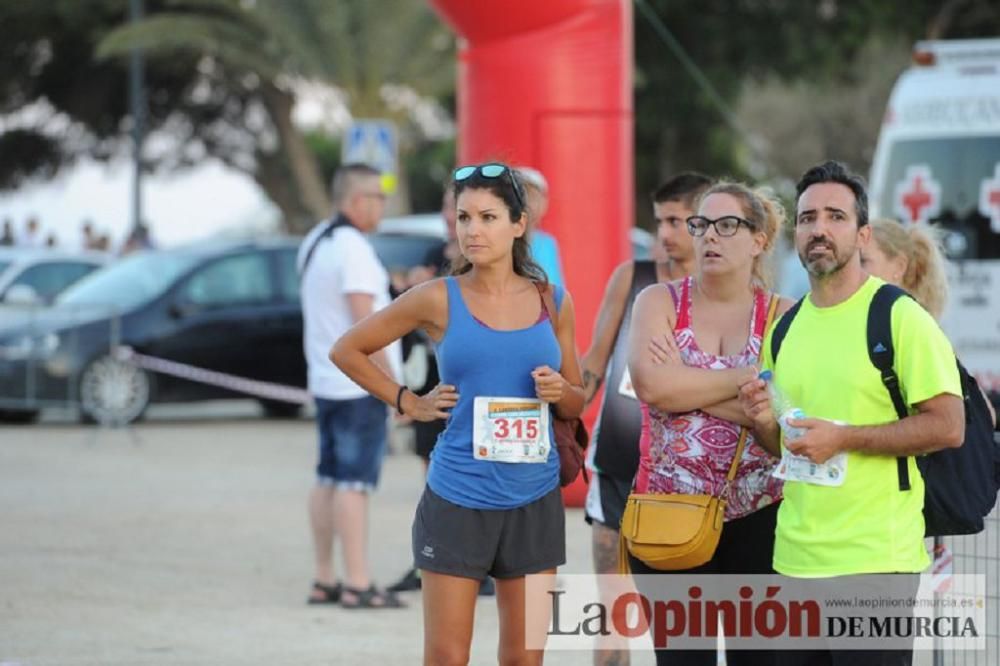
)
(185, 542)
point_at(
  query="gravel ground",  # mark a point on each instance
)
(186, 542)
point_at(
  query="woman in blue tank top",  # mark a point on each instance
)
(492, 504)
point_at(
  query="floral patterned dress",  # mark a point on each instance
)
(690, 453)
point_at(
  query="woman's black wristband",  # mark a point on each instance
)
(399, 400)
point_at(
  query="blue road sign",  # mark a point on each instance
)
(372, 142)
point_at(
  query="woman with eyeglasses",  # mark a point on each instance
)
(693, 343)
(492, 504)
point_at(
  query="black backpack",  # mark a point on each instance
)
(960, 485)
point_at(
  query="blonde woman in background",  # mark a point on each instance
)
(910, 257)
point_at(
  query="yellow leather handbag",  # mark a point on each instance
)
(670, 532)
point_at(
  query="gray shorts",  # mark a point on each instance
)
(503, 543)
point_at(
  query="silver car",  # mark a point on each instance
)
(31, 276)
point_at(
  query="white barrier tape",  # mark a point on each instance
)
(252, 387)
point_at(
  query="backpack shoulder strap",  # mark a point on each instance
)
(332, 225)
(781, 329)
(880, 348)
(882, 355)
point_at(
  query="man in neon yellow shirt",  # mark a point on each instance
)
(863, 523)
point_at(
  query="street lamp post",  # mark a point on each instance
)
(137, 102)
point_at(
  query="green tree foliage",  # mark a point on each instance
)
(222, 80)
(61, 103)
(350, 44)
(815, 41)
(843, 119)
(429, 169)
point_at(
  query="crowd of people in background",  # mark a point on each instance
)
(31, 235)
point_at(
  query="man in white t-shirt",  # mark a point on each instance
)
(343, 281)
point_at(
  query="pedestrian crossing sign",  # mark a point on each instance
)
(376, 143)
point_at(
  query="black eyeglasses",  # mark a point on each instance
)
(726, 225)
(491, 170)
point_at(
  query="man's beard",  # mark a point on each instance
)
(827, 265)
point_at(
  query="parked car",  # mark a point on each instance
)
(228, 307)
(30, 276)
(403, 242)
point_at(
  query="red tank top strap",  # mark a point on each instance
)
(684, 306)
(762, 300)
(673, 295)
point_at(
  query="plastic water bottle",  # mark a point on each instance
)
(783, 408)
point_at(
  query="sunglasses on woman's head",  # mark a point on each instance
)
(491, 170)
(727, 225)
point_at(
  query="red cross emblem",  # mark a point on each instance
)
(918, 196)
(989, 199)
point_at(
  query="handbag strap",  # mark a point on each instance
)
(772, 309)
(550, 306)
(735, 465)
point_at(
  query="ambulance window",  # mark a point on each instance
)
(953, 182)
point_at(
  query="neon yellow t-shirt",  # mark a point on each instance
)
(866, 525)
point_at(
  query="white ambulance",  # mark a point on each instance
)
(938, 161)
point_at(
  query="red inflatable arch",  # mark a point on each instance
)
(548, 83)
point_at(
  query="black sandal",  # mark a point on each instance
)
(327, 594)
(371, 598)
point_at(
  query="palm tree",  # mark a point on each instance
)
(259, 50)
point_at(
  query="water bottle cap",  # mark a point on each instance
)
(766, 375)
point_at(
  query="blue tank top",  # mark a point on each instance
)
(481, 361)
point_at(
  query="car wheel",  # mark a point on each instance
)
(276, 409)
(18, 416)
(113, 391)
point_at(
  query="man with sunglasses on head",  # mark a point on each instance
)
(343, 282)
(614, 454)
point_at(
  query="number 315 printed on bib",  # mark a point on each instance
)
(513, 430)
